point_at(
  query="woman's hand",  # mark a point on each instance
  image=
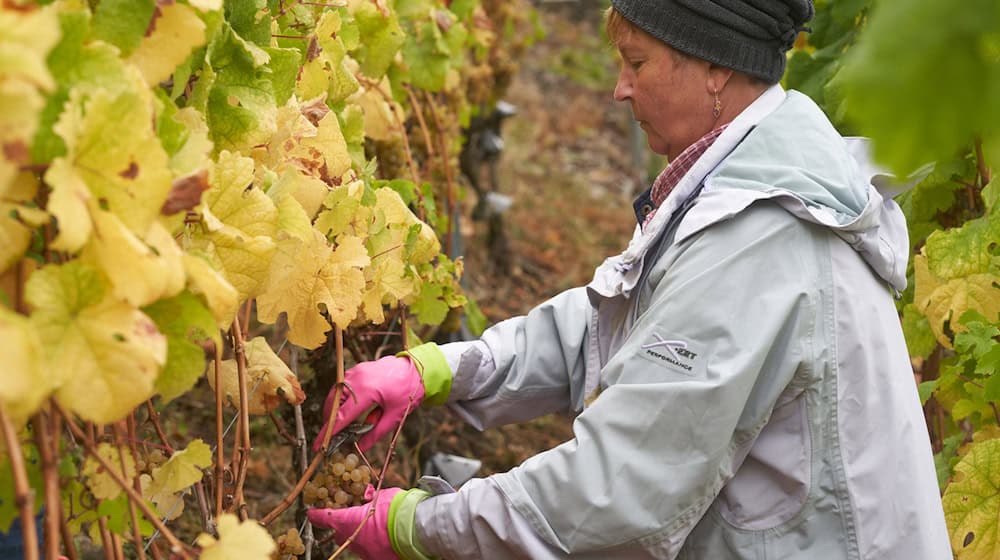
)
(372, 541)
(392, 385)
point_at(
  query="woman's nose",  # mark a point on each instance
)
(623, 88)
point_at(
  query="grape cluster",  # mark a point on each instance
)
(341, 483)
(289, 544)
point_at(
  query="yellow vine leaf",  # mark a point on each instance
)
(68, 202)
(343, 212)
(20, 105)
(318, 150)
(99, 481)
(944, 301)
(26, 37)
(176, 31)
(326, 72)
(240, 223)
(113, 156)
(237, 540)
(309, 191)
(426, 246)
(972, 503)
(182, 469)
(97, 346)
(293, 220)
(221, 297)
(382, 118)
(169, 505)
(17, 221)
(140, 271)
(269, 379)
(206, 5)
(308, 275)
(23, 384)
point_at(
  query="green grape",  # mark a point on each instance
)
(341, 497)
(351, 461)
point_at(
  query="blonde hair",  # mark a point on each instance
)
(617, 27)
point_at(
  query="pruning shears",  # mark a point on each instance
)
(354, 430)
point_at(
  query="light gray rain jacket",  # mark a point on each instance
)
(742, 383)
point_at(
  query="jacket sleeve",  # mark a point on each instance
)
(523, 367)
(670, 428)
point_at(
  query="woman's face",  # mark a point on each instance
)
(669, 93)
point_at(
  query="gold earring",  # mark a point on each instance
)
(717, 109)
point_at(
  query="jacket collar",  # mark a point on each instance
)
(618, 275)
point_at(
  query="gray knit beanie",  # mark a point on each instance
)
(750, 36)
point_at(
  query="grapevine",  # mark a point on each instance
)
(202, 189)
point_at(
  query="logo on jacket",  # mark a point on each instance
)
(674, 352)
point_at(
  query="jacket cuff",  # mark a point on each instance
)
(402, 529)
(434, 371)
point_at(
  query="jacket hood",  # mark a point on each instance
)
(795, 157)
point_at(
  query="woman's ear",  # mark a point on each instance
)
(718, 77)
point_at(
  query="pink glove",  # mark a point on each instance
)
(392, 384)
(372, 542)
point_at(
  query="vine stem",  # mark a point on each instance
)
(405, 339)
(420, 120)
(984, 170)
(242, 445)
(102, 522)
(154, 418)
(447, 171)
(50, 475)
(300, 442)
(288, 500)
(22, 491)
(220, 449)
(88, 445)
(136, 536)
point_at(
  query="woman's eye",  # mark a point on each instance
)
(635, 64)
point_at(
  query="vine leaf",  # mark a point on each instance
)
(114, 158)
(17, 222)
(23, 387)
(101, 484)
(141, 270)
(240, 225)
(203, 279)
(20, 105)
(176, 31)
(182, 469)
(267, 375)
(308, 274)
(185, 321)
(237, 541)
(944, 301)
(113, 351)
(956, 73)
(972, 503)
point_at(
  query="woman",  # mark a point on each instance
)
(741, 378)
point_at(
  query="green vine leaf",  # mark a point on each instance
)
(954, 75)
(186, 322)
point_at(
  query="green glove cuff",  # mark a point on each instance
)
(402, 530)
(434, 370)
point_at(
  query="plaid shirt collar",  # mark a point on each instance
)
(677, 169)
